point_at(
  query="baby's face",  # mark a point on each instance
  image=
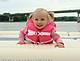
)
(40, 19)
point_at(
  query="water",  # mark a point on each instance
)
(61, 26)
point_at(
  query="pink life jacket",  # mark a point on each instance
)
(40, 35)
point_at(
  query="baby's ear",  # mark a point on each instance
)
(49, 17)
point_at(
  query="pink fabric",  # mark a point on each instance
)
(50, 28)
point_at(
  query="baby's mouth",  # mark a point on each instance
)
(39, 25)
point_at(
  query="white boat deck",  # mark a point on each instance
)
(14, 52)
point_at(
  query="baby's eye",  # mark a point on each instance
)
(36, 19)
(42, 19)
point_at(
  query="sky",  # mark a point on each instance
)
(24, 6)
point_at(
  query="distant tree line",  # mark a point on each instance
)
(7, 17)
(4, 18)
(66, 18)
(19, 18)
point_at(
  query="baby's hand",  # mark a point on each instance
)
(60, 45)
(21, 42)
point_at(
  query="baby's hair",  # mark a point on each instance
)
(30, 16)
(50, 14)
(37, 10)
(40, 10)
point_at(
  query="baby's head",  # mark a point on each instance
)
(40, 18)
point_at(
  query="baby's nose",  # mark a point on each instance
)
(39, 22)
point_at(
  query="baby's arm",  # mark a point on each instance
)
(58, 40)
(22, 35)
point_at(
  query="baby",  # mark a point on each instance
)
(40, 29)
